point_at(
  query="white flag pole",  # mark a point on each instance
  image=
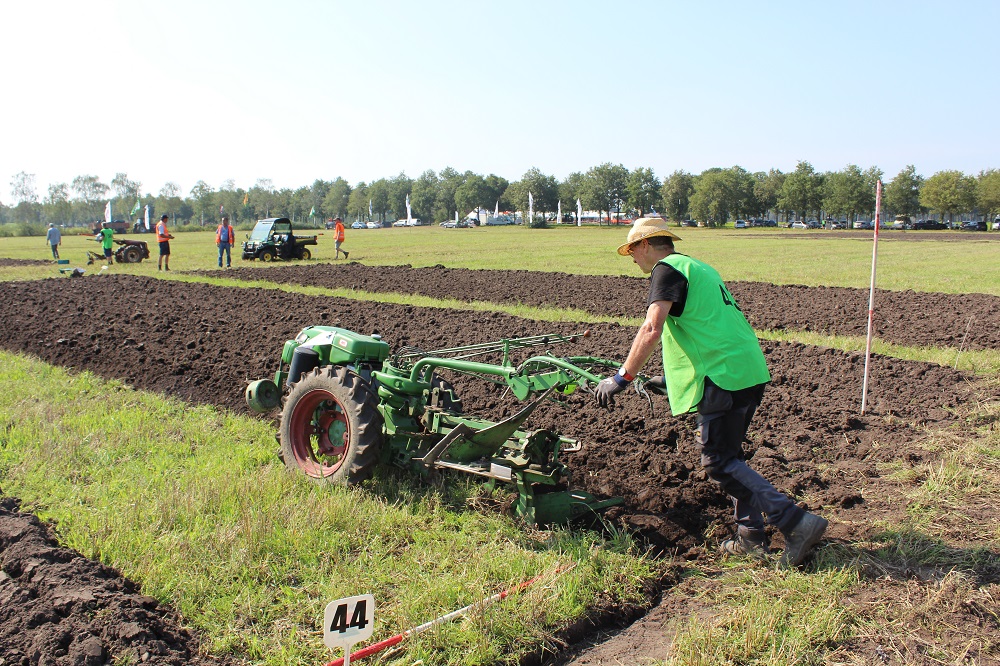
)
(559, 212)
(579, 213)
(871, 294)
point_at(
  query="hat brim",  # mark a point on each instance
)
(623, 249)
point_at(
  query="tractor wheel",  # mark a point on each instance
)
(132, 255)
(306, 254)
(267, 255)
(449, 399)
(330, 427)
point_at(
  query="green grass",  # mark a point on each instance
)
(959, 265)
(193, 504)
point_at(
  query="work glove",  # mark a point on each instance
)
(608, 387)
(656, 385)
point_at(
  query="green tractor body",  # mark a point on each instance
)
(350, 403)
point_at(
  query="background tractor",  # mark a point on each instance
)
(273, 239)
(348, 404)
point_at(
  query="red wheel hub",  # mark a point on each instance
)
(319, 433)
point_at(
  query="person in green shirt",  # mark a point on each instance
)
(713, 364)
(104, 236)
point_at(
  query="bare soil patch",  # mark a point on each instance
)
(5, 262)
(970, 321)
(59, 608)
(202, 343)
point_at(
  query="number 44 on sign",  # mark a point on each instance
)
(348, 621)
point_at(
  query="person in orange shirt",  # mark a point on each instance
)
(224, 240)
(163, 238)
(338, 234)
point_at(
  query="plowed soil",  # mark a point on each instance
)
(200, 343)
(969, 321)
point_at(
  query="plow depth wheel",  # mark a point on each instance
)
(330, 427)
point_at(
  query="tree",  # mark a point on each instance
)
(571, 189)
(126, 191)
(722, 193)
(642, 190)
(496, 187)
(263, 196)
(22, 188)
(90, 191)
(988, 193)
(172, 189)
(204, 201)
(474, 193)
(357, 202)
(676, 195)
(448, 183)
(378, 193)
(802, 191)
(337, 200)
(766, 188)
(604, 188)
(847, 192)
(948, 193)
(57, 206)
(902, 195)
(399, 188)
(425, 194)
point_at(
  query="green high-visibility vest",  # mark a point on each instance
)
(710, 339)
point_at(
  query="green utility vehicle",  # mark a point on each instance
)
(349, 404)
(273, 239)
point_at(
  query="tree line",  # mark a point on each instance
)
(713, 197)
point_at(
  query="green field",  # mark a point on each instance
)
(191, 502)
(962, 264)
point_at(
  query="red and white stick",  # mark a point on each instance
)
(871, 294)
(398, 638)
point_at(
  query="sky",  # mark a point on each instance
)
(300, 90)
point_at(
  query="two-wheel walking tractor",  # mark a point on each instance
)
(349, 404)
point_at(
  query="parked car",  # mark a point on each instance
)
(358, 225)
(690, 223)
(929, 224)
(996, 224)
(864, 224)
(799, 224)
(973, 226)
(373, 225)
(740, 224)
(399, 223)
(834, 224)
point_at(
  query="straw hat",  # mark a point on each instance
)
(646, 227)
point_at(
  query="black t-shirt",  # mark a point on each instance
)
(666, 283)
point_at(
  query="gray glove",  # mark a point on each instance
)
(608, 387)
(656, 385)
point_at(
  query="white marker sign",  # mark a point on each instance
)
(348, 621)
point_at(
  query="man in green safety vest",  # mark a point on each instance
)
(104, 237)
(713, 364)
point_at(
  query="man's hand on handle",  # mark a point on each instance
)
(656, 385)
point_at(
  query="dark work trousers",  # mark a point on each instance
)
(723, 420)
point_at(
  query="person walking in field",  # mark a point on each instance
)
(338, 235)
(54, 238)
(713, 364)
(104, 237)
(163, 238)
(224, 239)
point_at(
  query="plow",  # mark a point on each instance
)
(348, 405)
(128, 252)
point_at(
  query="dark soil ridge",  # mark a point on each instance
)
(62, 609)
(6, 263)
(201, 343)
(969, 321)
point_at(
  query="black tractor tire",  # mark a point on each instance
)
(331, 429)
(449, 399)
(266, 255)
(132, 255)
(306, 254)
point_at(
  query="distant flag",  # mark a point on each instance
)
(147, 217)
(222, 209)
(531, 209)
(496, 211)
(408, 215)
(107, 213)
(559, 212)
(579, 212)
(246, 198)
(136, 208)
(369, 208)
(312, 212)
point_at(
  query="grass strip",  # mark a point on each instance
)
(192, 503)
